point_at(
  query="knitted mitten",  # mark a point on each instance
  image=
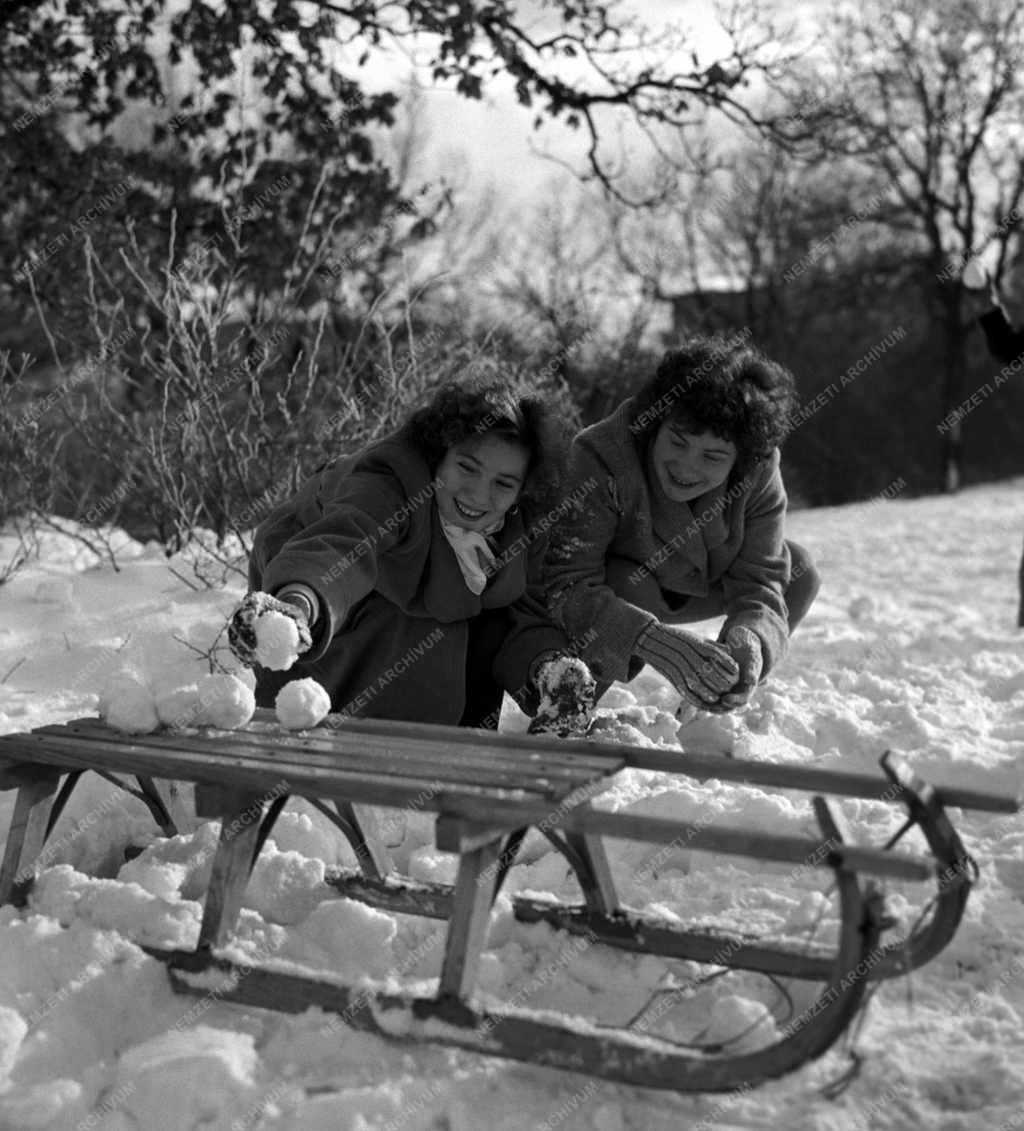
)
(242, 627)
(566, 696)
(698, 669)
(745, 646)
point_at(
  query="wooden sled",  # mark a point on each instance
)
(487, 790)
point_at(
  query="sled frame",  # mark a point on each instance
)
(486, 791)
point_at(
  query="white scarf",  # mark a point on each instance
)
(472, 552)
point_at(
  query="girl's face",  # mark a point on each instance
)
(480, 479)
(688, 464)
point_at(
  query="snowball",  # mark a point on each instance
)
(127, 705)
(301, 703)
(277, 641)
(226, 702)
(179, 707)
(123, 679)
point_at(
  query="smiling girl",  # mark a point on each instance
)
(687, 524)
(413, 570)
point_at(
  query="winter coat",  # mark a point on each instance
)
(729, 540)
(1004, 342)
(391, 639)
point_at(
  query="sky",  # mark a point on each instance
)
(494, 138)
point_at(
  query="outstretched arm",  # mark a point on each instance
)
(605, 626)
(346, 526)
(754, 584)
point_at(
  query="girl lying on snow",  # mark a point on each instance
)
(680, 520)
(413, 574)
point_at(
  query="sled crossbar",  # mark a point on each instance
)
(486, 790)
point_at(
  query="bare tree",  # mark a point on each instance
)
(930, 97)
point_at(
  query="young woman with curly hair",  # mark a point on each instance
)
(413, 568)
(684, 522)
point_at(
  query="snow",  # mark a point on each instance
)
(301, 703)
(911, 646)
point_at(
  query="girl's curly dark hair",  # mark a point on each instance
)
(721, 385)
(463, 410)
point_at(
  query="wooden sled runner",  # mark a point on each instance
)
(487, 790)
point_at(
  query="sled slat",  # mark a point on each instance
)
(379, 738)
(485, 804)
(842, 783)
(134, 754)
(269, 750)
(26, 838)
(245, 772)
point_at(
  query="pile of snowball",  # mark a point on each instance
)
(130, 704)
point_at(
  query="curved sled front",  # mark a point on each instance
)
(634, 930)
(627, 928)
(552, 1040)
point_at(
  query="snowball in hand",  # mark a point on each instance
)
(277, 641)
(126, 704)
(301, 703)
(227, 702)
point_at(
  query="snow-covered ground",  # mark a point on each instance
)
(911, 645)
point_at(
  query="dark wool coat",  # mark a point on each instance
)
(613, 566)
(1004, 342)
(391, 639)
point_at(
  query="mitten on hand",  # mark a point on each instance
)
(567, 692)
(698, 669)
(242, 626)
(745, 646)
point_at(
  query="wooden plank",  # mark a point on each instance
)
(594, 873)
(661, 830)
(471, 913)
(13, 775)
(376, 789)
(585, 753)
(420, 742)
(26, 836)
(421, 749)
(232, 866)
(377, 764)
(841, 783)
(512, 809)
(452, 834)
(598, 755)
